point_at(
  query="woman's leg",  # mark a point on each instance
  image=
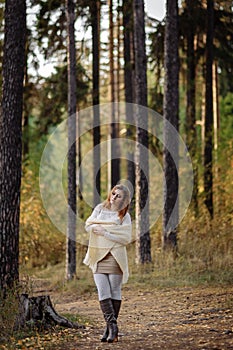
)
(103, 286)
(106, 305)
(108, 286)
(115, 282)
(115, 286)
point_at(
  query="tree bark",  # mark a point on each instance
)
(71, 58)
(143, 252)
(26, 111)
(95, 22)
(208, 158)
(129, 83)
(114, 132)
(38, 312)
(11, 141)
(171, 105)
(191, 100)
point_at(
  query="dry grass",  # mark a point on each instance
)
(8, 310)
(205, 251)
(204, 257)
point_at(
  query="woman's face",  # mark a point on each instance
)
(116, 199)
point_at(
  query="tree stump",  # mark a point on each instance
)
(39, 312)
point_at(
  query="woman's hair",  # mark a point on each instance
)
(125, 200)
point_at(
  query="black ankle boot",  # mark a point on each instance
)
(109, 316)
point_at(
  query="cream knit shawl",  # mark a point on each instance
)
(100, 246)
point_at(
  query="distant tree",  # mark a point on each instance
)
(52, 97)
(193, 41)
(156, 56)
(208, 158)
(51, 27)
(171, 104)
(143, 253)
(226, 111)
(11, 140)
(71, 64)
(223, 50)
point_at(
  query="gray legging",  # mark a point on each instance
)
(108, 286)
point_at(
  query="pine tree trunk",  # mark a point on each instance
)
(128, 82)
(143, 252)
(208, 158)
(11, 141)
(95, 21)
(71, 229)
(216, 123)
(191, 101)
(171, 105)
(115, 161)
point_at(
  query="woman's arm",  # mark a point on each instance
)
(114, 237)
(92, 217)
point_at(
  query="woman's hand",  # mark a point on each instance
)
(99, 230)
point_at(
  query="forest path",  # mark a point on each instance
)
(178, 318)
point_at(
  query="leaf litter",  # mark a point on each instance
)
(168, 319)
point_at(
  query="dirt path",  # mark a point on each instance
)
(185, 318)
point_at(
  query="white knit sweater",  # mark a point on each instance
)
(116, 238)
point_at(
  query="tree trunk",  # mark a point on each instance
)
(71, 57)
(114, 154)
(208, 159)
(143, 252)
(191, 101)
(171, 105)
(11, 141)
(95, 21)
(216, 124)
(26, 112)
(128, 82)
(38, 312)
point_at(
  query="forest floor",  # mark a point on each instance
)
(195, 318)
(173, 318)
(184, 318)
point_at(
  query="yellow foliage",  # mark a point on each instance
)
(40, 243)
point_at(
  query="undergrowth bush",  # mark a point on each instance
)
(40, 242)
(205, 250)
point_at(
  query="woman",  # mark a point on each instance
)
(110, 231)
